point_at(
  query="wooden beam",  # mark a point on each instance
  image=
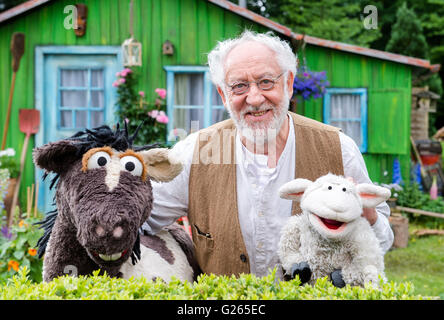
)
(422, 212)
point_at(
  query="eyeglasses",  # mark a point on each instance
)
(264, 84)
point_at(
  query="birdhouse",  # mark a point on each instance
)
(132, 52)
(423, 102)
(168, 48)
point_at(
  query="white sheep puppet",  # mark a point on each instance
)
(330, 237)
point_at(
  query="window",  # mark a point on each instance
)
(192, 100)
(347, 109)
(80, 102)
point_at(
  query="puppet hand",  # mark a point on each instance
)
(302, 270)
(336, 279)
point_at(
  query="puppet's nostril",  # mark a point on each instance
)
(118, 232)
(100, 231)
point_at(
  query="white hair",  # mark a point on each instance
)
(216, 58)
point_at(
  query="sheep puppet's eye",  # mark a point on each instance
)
(98, 160)
(330, 187)
(132, 165)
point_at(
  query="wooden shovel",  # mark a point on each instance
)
(29, 120)
(17, 50)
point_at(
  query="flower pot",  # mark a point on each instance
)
(10, 194)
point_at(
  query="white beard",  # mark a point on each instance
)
(260, 133)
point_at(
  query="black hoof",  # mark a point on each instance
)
(336, 279)
(302, 270)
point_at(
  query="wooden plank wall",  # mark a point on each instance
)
(193, 26)
(389, 99)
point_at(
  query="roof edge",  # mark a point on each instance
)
(21, 8)
(384, 55)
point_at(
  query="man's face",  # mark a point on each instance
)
(260, 111)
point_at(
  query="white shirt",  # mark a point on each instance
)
(262, 213)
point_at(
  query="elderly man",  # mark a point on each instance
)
(233, 169)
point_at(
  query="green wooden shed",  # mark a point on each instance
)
(68, 78)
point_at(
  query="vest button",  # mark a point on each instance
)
(243, 258)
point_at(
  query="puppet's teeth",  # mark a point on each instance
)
(112, 257)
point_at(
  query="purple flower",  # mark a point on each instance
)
(5, 232)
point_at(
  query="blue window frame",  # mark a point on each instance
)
(346, 108)
(80, 98)
(191, 97)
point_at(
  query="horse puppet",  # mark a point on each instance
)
(103, 196)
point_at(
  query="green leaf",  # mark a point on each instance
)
(18, 254)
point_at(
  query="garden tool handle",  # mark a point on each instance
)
(19, 178)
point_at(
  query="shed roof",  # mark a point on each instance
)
(384, 55)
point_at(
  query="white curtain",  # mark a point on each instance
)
(189, 91)
(78, 98)
(345, 113)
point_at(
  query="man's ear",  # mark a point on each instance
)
(294, 189)
(162, 164)
(290, 80)
(372, 195)
(55, 156)
(222, 95)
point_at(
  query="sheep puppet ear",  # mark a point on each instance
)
(162, 164)
(372, 195)
(294, 189)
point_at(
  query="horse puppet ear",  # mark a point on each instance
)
(372, 195)
(294, 189)
(55, 156)
(162, 164)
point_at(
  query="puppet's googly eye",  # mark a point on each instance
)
(98, 160)
(132, 165)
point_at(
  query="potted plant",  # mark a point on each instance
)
(9, 163)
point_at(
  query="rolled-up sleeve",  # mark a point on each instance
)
(354, 166)
(170, 199)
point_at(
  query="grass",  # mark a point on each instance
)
(421, 263)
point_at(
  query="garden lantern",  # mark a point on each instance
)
(132, 52)
(131, 48)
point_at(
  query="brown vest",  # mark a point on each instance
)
(213, 212)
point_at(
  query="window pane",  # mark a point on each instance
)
(74, 78)
(219, 115)
(216, 100)
(184, 117)
(66, 119)
(96, 118)
(188, 89)
(73, 98)
(350, 128)
(81, 119)
(97, 99)
(97, 78)
(345, 106)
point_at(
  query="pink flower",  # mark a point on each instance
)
(116, 83)
(162, 117)
(118, 74)
(125, 71)
(161, 92)
(127, 120)
(153, 114)
(122, 80)
(142, 94)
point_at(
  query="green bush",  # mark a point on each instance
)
(246, 287)
(410, 196)
(9, 162)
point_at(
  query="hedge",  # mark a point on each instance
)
(245, 287)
